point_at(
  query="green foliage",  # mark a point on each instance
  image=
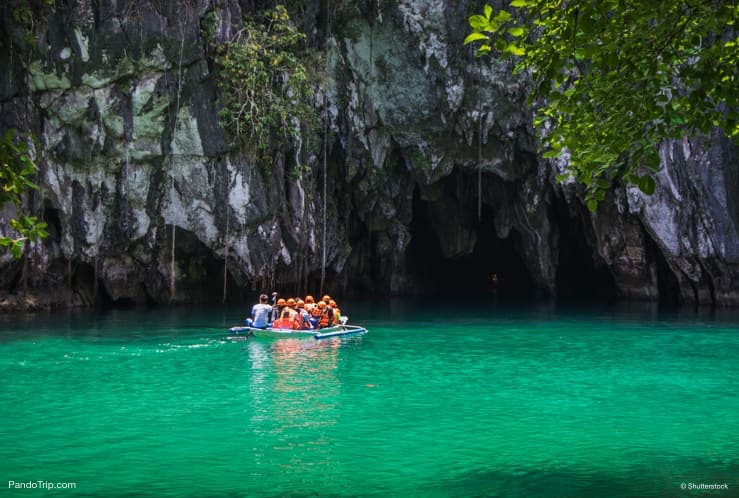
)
(16, 171)
(613, 78)
(209, 24)
(26, 14)
(266, 84)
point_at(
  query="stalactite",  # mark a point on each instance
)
(95, 279)
(325, 195)
(172, 282)
(125, 193)
(171, 269)
(479, 169)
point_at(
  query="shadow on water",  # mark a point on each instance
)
(639, 481)
(456, 309)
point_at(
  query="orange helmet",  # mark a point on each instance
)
(299, 303)
(332, 303)
(281, 302)
(326, 298)
(309, 299)
(291, 302)
(321, 305)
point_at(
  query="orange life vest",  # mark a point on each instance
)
(284, 322)
(326, 318)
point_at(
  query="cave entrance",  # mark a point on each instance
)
(580, 275)
(467, 275)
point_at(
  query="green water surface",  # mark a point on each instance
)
(466, 399)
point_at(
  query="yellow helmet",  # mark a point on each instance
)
(281, 302)
(321, 305)
(309, 299)
(299, 303)
(326, 298)
(291, 302)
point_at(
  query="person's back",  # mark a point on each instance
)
(336, 312)
(302, 318)
(326, 317)
(260, 313)
(284, 322)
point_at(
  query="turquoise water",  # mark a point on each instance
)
(467, 400)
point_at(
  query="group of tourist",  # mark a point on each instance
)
(295, 313)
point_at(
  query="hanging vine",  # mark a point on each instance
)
(172, 276)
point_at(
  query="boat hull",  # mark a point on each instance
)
(335, 331)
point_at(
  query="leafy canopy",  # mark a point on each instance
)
(16, 171)
(613, 78)
(266, 85)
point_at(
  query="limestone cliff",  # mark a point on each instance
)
(430, 169)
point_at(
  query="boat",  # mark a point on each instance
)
(334, 331)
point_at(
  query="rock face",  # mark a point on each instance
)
(431, 169)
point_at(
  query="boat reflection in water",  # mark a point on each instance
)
(294, 396)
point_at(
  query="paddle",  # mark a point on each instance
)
(274, 307)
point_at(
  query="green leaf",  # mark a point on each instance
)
(479, 22)
(502, 16)
(521, 3)
(647, 185)
(488, 11)
(651, 161)
(592, 205)
(475, 37)
(17, 249)
(484, 49)
(517, 32)
(515, 49)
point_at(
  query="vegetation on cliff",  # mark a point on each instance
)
(16, 171)
(17, 168)
(267, 85)
(613, 78)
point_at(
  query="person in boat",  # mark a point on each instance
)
(291, 307)
(302, 318)
(326, 318)
(260, 313)
(285, 321)
(310, 303)
(335, 310)
(315, 313)
(277, 309)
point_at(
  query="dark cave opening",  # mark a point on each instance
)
(87, 285)
(199, 273)
(667, 283)
(580, 277)
(468, 275)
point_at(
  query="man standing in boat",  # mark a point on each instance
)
(260, 313)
